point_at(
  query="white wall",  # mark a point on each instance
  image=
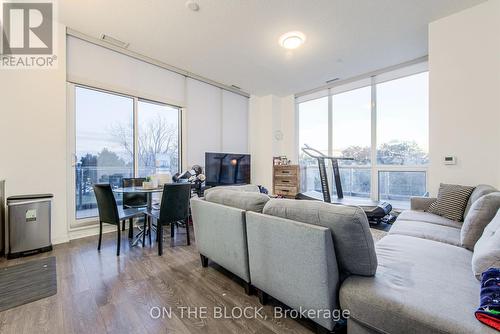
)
(33, 134)
(267, 115)
(464, 70)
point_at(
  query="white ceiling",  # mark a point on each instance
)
(236, 41)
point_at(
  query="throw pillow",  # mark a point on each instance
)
(451, 201)
(487, 249)
(479, 191)
(480, 214)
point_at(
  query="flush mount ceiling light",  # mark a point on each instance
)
(292, 40)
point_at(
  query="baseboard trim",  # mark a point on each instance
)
(60, 240)
(82, 232)
(88, 231)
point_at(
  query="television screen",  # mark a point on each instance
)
(227, 168)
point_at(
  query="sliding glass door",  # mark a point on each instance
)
(119, 136)
(104, 144)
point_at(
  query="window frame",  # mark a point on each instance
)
(79, 223)
(360, 82)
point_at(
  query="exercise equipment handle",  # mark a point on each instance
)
(307, 150)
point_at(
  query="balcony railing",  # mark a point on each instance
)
(86, 176)
(395, 185)
(355, 181)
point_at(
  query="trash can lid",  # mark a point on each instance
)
(32, 196)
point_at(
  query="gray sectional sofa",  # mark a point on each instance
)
(425, 281)
(316, 256)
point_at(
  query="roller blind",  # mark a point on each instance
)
(203, 120)
(234, 123)
(91, 64)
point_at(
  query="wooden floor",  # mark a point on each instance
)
(103, 293)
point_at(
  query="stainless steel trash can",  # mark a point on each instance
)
(28, 225)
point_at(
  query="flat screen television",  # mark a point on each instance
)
(227, 168)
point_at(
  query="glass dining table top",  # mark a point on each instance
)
(138, 189)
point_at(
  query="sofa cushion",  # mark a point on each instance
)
(421, 286)
(441, 233)
(451, 201)
(479, 191)
(480, 214)
(248, 201)
(351, 235)
(252, 188)
(487, 249)
(428, 217)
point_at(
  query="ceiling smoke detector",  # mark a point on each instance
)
(114, 41)
(191, 4)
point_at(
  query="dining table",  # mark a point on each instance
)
(141, 190)
(149, 207)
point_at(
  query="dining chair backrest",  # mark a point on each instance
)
(175, 202)
(106, 204)
(134, 200)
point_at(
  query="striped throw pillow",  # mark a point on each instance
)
(451, 201)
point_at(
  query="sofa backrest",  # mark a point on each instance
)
(487, 249)
(244, 200)
(252, 188)
(220, 233)
(479, 191)
(295, 263)
(352, 239)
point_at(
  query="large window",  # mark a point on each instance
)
(382, 124)
(351, 138)
(402, 121)
(313, 120)
(110, 145)
(158, 138)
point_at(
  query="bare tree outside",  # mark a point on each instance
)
(158, 143)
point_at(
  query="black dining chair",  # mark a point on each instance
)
(133, 201)
(110, 213)
(174, 208)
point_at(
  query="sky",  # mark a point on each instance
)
(402, 114)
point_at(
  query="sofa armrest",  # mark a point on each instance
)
(421, 203)
(294, 262)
